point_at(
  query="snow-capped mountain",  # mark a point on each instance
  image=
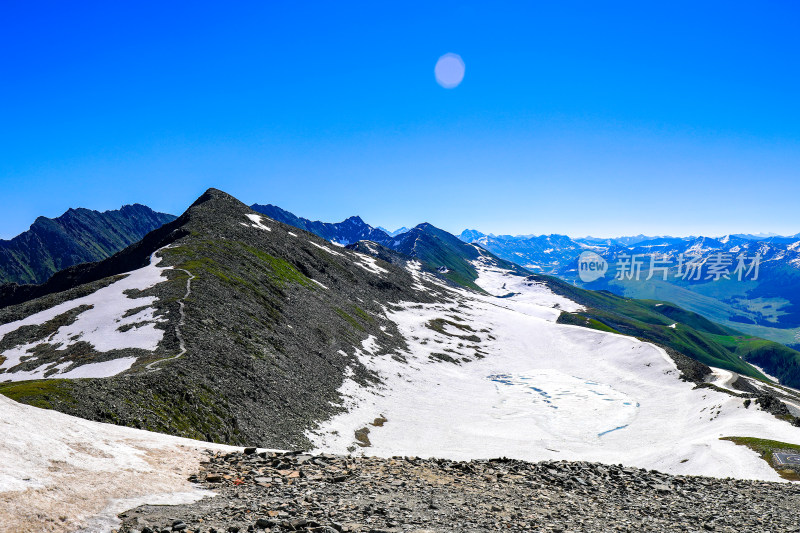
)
(767, 306)
(543, 253)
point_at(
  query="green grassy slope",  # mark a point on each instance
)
(650, 320)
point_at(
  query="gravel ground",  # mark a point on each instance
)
(294, 491)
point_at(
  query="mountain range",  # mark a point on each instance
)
(77, 236)
(768, 306)
(242, 333)
(228, 325)
(348, 231)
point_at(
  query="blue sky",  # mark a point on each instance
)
(577, 118)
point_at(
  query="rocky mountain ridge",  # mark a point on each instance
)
(77, 236)
(257, 367)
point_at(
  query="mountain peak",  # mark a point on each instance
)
(214, 205)
(213, 194)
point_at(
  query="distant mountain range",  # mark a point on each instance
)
(348, 231)
(77, 236)
(768, 306)
(437, 249)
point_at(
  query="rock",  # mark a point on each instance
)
(265, 523)
(442, 496)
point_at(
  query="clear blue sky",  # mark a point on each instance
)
(597, 118)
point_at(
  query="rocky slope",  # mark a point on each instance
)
(254, 326)
(77, 236)
(270, 492)
(436, 249)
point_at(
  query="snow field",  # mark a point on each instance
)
(53, 465)
(616, 399)
(111, 309)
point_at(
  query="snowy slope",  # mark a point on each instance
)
(523, 386)
(53, 465)
(113, 320)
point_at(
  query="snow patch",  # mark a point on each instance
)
(52, 464)
(257, 222)
(321, 247)
(613, 399)
(320, 284)
(369, 264)
(99, 326)
(768, 376)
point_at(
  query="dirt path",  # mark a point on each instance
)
(181, 321)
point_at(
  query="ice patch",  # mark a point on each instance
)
(574, 407)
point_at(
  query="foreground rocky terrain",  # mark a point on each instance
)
(329, 493)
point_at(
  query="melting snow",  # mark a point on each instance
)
(369, 264)
(99, 326)
(542, 391)
(52, 464)
(257, 222)
(321, 247)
